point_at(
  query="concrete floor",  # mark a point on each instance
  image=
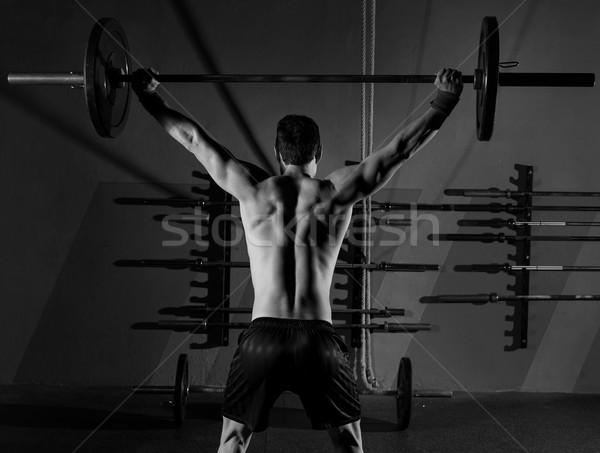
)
(65, 419)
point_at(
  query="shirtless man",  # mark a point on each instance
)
(294, 226)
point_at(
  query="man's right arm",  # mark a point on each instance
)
(363, 180)
(229, 173)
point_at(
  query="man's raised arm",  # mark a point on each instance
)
(220, 164)
(354, 184)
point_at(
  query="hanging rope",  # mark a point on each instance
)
(367, 108)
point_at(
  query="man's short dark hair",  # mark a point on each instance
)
(297, 139)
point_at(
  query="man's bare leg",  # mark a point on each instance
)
(347, 438)
(235, 437)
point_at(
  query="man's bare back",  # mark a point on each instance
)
(294, 226)
(292, 248)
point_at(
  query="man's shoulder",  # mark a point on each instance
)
(337, 177)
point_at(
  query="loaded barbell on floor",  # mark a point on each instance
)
(182, 389)
(106, 78)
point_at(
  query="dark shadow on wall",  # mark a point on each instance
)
(525, 24)
(47, 115)
(83, 335)
(204, 54)
(419, 61)
(209, 231)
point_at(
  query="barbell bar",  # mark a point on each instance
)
(494, 192)
(182, 390)
(203, 307)
(106, 78)
(490, 207)
(501, 237)
(200, 264)
(375, 205)
(510, 223)
(190, 219)
(391, 327)
(494, 298)
(168, 390)
(506, 267)
(524, 79)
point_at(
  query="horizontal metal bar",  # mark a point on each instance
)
(384, 327)
(292, 78)
(491, 207)
(192, 219)
(432, 393)
(173, 202)
(505, 79)
(199, 264)
(46, 78)
(493, 297)
(507, 193)
(498, 223)
(518, 267)
(338, 311)
(490, 237)
(375, 205)
(169, 390)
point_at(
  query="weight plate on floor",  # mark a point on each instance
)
(182, 390)
(107, 53)
(487, 82)
(404, 393)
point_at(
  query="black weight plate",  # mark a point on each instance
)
(107, 52)
(488, 65)
(404, 393)
(182, 390)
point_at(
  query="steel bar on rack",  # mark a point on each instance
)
(199, 264)
(491, 237)
(510, 223)
(339, 311)
(507, 193)
(383, 327)
(490, 207)
(493, 298)
(517, 267)
(191, 219)
(375, 206)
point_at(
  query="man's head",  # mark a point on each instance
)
(298, 140)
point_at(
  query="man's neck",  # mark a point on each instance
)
(298, 171)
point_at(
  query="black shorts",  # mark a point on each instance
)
(305, 357)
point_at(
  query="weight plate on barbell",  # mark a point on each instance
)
(488, 67)
(107, 53)
(182, 390)
(404, 393)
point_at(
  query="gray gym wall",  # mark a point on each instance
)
(67, 312)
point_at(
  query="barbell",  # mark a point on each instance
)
(201, 264)
(182, 389)
(106, 78)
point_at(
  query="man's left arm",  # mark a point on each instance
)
(231, 175)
